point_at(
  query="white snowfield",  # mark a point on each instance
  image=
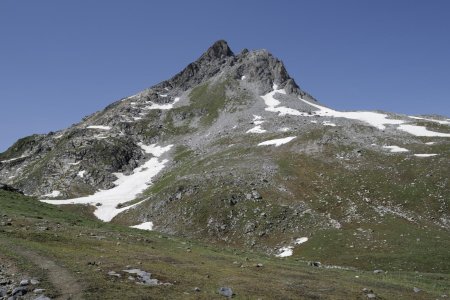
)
(257, 120)
(421, 131)
(53, 194)
(273, 104)
(256, 129)
(289, 250)
(396, 149)
(277, 142)
(328, 123)
(285, 251)
(13, 159)
(431, 120)
(101, 127)
(144, 226)
(126, 189)
(163, 106)
(377, 120)
(374, 119)
(425, 155)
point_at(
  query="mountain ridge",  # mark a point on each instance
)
(232, 151)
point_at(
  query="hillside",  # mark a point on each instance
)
(231, 152)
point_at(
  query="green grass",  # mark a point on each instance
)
(72, 242)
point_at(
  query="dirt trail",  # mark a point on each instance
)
(60, 278)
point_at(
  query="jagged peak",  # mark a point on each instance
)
(218, 50)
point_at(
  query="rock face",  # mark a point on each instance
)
(256, 161)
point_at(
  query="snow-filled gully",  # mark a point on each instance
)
(126, 189)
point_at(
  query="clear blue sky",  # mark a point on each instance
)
(62, 60)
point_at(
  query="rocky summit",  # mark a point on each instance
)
(232, 151)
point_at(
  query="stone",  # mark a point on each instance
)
(197, 289)
(34, 282)
(378, 271)
(416, 289)
(112, 273)
(42, 297)
(226, 292)
(315, 264)
(24, 282)
(39, 291)
(19, 291)
(371, 296)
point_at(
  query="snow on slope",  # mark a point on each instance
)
(425, 155)
(277, 142)
(289, 250)
(13, 159)
(431, 120)
(162, 106)
(144, 226)
(53, 194)
(273, 104)
(257, 120)
(375, 119)
(395, 149)
(126, 189)
(101, 127)
(421, 131)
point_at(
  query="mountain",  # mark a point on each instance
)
(232, 151)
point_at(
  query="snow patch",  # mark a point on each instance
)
(396, 149)
(421, 131)
(277, 142)
(126, 189)
(81, 173)
(285, 251)
(425, 155)
(243, 77)
(328, 123)
(289, 250)
(430, 143)
(101, 127)
(257, 120)
(431, 120)
(13, 159)
(284, 129)
(154, 149)
(301, 240)
(374, 119)
(144, 226)
(163, 106)
(273, 104)
(52, 194)
(256, 129)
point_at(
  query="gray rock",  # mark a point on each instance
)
(226, 292)
(371, 296)
(19, 291)
(24, 282)
(42, 297)
(378, 271)
(113, 273)
(38, 291)
(416, 289)
(3, 292)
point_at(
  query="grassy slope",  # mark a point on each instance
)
(73, 240)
